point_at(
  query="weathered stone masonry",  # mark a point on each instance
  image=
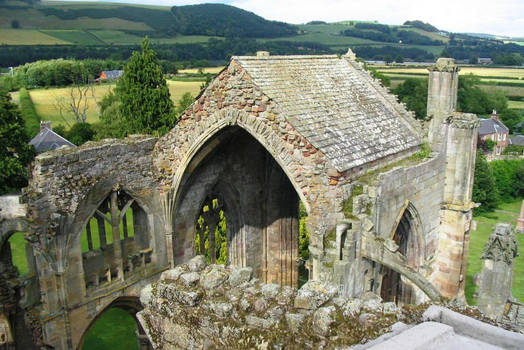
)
(384, 216)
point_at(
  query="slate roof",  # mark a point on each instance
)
(491, 126)
(335, 104)
(47, 140)
(517, 140)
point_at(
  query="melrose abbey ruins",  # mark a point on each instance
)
(388, 204)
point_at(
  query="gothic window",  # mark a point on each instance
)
(115, 240)
(211, 234)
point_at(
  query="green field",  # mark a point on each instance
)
(77, 37)
(506, 213)
(45, 100)
(516, 104)
(28, 37)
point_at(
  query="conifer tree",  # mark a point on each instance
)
(145, 103)
(484, 188)
(15, 152)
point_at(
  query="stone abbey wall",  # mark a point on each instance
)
(396, 226)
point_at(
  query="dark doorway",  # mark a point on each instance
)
(235, 175)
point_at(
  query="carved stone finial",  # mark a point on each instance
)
(444, 65)
(463, 120)
(502, 245)
(351, 55)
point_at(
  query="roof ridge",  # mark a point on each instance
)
(284, 57)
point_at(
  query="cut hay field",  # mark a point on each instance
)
(509, 81)
(28, 37)
(494, 73)
(206, 70)
(45, 99)
(516, 104)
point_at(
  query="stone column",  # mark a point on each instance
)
(497, 272)
(442, 97)
(115, 228)
(456, 209)
(520, 220)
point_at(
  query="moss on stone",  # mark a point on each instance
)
(347, 205)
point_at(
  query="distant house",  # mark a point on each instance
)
(493, 129)
(110, 75)
(485, 60)
(517, 140)
(48, 140)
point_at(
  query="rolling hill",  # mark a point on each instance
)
(213, 32)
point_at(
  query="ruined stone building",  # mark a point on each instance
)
(388, 204)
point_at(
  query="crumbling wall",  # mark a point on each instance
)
(66, 188)
(198, 306)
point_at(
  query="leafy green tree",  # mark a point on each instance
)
(484, 188)
(15, 152)
(472, 99)
(414, 93)
(185, 101)
(80, 133)
(110, 120)
(145, 103)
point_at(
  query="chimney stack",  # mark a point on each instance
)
(494, 115)
(45, 124)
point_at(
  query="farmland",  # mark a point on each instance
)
(509, 81)
(45, 100)
(28, 37)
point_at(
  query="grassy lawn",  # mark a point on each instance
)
(114, 330)
(44, 100)
(18, 257)
(506, 213)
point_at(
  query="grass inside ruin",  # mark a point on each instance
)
(114, 330)
(505, 213)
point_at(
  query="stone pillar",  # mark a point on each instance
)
(456, 209)
(497, 272)
(442, 97)
(520, 220)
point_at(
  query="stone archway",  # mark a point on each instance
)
(259, 200)
(17, 288)
(130, 304)
(407, 236)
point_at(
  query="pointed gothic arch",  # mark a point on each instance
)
(407, 235)
(259, 201)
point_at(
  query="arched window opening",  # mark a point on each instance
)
(303, 246)
(115, 240)
(393, 287)
(115, 329)
(211, 232)
(16, 252)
